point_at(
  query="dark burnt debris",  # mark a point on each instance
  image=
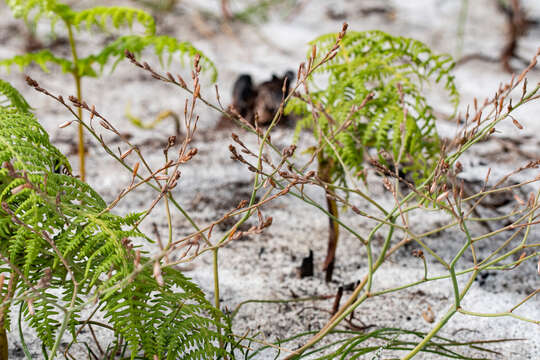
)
(306, 268)
(260, 103)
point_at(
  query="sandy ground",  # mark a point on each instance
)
(264, 266)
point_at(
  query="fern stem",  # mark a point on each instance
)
(333, 236)
(216, 278)
(4, 354)
(4, 309)
(82, 154)
(226, 11)
(325, 166)
(462, 21)
(77, 78)
(216, 293)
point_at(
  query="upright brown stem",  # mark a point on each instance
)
(226, 10)
(3, 339)
(4, 353)
(517, 26)
(325, 167)
(333, 236)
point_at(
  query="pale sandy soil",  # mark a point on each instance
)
(264, 266)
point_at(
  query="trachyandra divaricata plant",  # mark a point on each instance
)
(67, 257)
(436, 186)
(104, 19)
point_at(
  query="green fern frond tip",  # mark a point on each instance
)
(374, 62)
(12, 97)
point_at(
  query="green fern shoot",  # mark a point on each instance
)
(374, 90)
(105, 19)
(62, 252)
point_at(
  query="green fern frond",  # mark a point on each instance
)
(261, 9)
(163, 46)
(191, 329)
(34, 9)
(12, 98)
(377, 63)
(45, 318)
(24, 143)
(119, 16)
(41, 58)
(106, 18)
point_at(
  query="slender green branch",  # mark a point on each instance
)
(277, 301)
(432, 333)
(502, 314)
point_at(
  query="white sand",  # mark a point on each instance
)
(263, 267)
